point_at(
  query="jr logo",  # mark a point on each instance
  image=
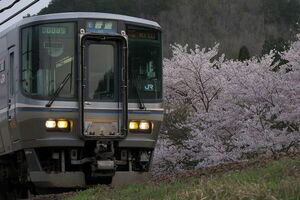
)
(149, 87)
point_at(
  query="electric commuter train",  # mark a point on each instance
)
(80, 98)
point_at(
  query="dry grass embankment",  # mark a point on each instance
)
(259, 179)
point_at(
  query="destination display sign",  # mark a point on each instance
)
(142, 34)
(101, 26)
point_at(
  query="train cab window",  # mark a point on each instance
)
(145, 66)
(48, 55)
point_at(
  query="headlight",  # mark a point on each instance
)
(58, 125)
(62, 124)
(142, 126)
(133, 125)
(50, 124)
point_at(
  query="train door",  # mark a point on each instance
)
(104, 91)
(11, 102)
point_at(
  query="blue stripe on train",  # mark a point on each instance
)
(107, 111)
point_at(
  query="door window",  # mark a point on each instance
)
(101, 62)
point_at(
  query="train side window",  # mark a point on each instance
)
(11, 72)
(2, 65)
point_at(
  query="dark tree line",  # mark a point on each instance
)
(126, 7)
(255, 24)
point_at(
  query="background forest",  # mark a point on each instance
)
(256, 25)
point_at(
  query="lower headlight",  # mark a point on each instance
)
(58, 125)
(133, 125)
(51, 124)
(144, 125)
(63, 124)
(140, 126)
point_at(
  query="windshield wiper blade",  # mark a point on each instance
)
(140, 100)
(58, 90)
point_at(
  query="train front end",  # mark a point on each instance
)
(90, 97)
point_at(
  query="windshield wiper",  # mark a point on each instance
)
(140, 100)
(58, 90)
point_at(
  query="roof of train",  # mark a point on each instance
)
(78, 15)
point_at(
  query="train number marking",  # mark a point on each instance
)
(2, 79)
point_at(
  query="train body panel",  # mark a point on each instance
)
(80, 98)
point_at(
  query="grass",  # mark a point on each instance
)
(277, 180)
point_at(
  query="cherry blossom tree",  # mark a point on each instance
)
(232, 109)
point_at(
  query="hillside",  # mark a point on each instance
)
(232, 23)
(262, 180)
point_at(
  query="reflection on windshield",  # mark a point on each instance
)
(144, 73)
(47, 58)
(145, 69)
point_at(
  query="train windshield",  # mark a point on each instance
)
(48, 55)
(145, 64)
